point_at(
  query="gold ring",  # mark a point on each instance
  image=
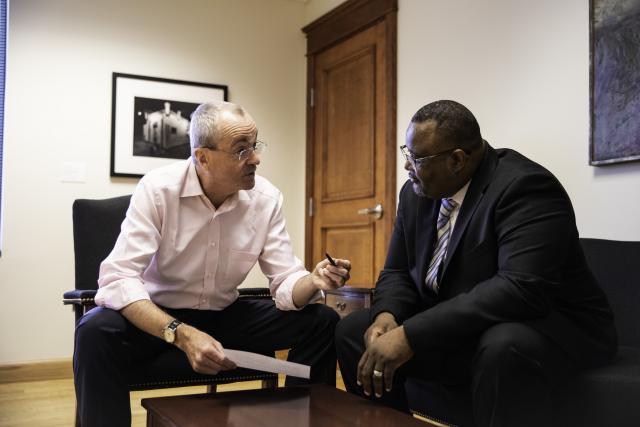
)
(377, 374)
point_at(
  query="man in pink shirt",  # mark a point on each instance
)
(192, 233)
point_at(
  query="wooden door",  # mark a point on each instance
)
(352, 146)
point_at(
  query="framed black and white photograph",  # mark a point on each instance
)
(615, 81)
(150, 120)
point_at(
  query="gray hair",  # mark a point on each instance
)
(203, 129)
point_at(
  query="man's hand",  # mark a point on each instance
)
(383, 356)
(383, 323)
(327, 277)
(324, 277)
(205, 354)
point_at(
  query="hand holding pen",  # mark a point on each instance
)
(331, 261)
(333, 273)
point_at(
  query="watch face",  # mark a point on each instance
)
(169, 335)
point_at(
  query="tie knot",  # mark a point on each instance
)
(446, 207)
(449, 205)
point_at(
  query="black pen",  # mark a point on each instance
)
(331, 260)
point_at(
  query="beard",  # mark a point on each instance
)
(417, 188)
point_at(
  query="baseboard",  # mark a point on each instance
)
(58, 369)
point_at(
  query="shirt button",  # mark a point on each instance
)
(213, 243)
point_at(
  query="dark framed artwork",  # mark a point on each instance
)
(614, 81)
(150, 120)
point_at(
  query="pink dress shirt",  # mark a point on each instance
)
(178, 250)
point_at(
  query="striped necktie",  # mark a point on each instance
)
(444, 232)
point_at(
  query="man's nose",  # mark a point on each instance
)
(408, 166)
(254, 158)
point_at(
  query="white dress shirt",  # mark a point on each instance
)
(458, 198)
(178, 250)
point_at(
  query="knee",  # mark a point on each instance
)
(322, 316)
(501, 350)
(351, 329)
(95, 327)
(343, 329)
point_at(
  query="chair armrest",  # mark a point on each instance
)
(79, 297)
(85, 296)
(254, 293)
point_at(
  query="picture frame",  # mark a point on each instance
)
(614, 81)
(150, 120)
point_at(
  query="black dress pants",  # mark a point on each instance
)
(503, 379)
(107, 346)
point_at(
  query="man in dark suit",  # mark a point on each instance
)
(485, 295)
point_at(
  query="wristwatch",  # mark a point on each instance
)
(169, 331)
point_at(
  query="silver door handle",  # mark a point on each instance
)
(375, 212)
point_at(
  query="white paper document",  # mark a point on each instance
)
(245, 359)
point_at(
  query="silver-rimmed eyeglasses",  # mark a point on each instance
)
(242, 155)
(418, 161)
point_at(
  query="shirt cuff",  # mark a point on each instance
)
(284, 293)
(119, 294)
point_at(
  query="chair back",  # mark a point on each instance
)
(96, 226)
(616, 266)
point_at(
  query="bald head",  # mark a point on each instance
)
(452, 122)
(444, 149)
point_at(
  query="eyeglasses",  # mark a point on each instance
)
(417, 162)
(242, 155)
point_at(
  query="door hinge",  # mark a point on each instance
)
(310, 210)
(312, 101)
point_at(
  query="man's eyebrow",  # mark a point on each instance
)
(240, 141)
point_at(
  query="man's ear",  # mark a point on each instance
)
(458, 160)
(200, 156)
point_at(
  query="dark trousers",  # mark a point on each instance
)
(505, 378)
(107, 346)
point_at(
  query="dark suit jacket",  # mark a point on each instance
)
(514, 256)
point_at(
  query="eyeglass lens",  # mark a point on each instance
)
(407, 155)
(257, 148)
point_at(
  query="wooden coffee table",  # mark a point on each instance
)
(316, 405)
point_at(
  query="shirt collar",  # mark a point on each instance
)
(244, 195)
(459, 196)
(232, 201)
(191, 186)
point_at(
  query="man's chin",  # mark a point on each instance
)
(417, 188)
(249, 182)
(420, 191)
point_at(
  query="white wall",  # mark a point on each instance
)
(316, 8)
(60, 58)
(522, 68)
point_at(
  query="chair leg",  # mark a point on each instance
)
(271, 383)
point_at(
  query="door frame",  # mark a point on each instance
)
(330, 29)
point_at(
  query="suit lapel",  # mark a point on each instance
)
(479, 183)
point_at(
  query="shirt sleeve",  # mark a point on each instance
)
(279, 264)
(120, 279)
